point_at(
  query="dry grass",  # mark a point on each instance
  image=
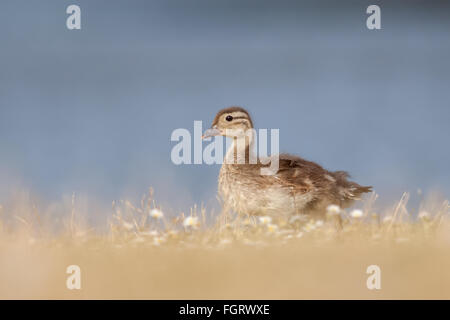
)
(145, 255)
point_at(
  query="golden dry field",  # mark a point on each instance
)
(146, 255)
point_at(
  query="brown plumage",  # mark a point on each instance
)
(297, 187)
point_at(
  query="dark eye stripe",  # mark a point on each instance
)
(240, 118)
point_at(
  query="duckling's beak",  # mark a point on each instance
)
(211, 133)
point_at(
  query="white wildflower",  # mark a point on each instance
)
(424, 215)
(158, 240)
(309, 227)
(190, 222)
(265, 220)
(357, 213)
(156, 213)
(333, 210)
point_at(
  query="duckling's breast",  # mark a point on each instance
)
(246, 192)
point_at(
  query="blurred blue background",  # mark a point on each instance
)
(91, 111)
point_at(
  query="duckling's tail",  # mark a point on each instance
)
(349, 189)
(363, 189)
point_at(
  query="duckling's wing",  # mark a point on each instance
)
(307, 176)
(302, 175)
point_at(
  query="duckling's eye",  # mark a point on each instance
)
(229, 118)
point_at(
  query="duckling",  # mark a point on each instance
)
(297, 187)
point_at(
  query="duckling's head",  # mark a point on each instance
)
(230, 122)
